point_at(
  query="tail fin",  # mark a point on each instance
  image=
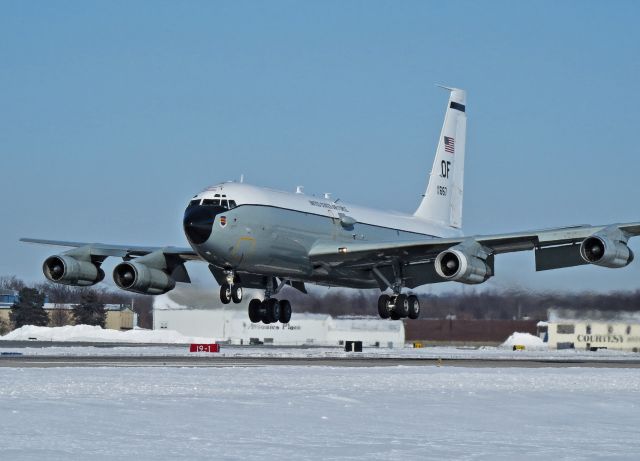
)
(442, 202)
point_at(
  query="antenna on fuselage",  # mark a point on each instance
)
(300, 190)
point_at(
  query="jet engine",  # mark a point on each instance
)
(67, 270)
(465, 263)
(140, 278)
(606, 251)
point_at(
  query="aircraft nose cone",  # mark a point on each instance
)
(198, 223)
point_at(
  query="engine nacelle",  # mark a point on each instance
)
(459, 266)
(604, 251)
(140, 278)
(67, 270)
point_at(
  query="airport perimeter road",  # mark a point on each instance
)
(352, 361)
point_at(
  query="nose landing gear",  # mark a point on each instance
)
(230, 293)
(231, 290)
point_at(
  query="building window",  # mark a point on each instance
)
(609, 329)
(628, 329)
(163, 325)
(588, 329)
(565, 329)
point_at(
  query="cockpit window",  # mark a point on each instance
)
(224, 203)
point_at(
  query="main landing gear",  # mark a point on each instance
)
(269, 311)
(398, 306)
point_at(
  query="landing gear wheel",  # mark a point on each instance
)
(401, 308)
(383, 306)
(236, 293)
(225, 293)
(414, 307)
(285, 311)
(273, 310)
(254, 310)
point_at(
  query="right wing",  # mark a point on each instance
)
(155, 269)
(121, 251)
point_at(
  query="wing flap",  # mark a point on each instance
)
(558, 257)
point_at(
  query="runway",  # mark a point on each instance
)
(212, 361)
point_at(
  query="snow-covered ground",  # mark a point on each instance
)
(89, 333)
(171, 343)
(316, 413)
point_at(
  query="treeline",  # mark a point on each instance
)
(64, 294)
(486, 305)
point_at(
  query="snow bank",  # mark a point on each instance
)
(524, 339)
(87, 333)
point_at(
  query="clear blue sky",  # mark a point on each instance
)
(113, 114)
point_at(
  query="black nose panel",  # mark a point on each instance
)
(198, 222)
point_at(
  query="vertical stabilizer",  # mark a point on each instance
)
(442, 202)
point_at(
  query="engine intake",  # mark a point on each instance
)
(604, 251)
(140, 278)
(459, 265)
(67, 270)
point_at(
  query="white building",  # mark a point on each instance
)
(232, 324)
(567, 329)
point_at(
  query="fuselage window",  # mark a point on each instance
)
(195, 202)
(232, 204)
(216, 201)
(225, 204)
(208, 202)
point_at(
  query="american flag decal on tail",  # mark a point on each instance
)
(449, 144)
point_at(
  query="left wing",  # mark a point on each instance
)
(416, 261)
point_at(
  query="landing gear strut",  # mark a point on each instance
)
(396, 306)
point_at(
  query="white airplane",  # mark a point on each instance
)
(265, 239)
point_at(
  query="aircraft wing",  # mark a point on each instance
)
(121, 251)
(555, 248)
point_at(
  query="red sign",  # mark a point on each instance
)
(204, 348)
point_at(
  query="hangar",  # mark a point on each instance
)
(591, 330)
(230, 324)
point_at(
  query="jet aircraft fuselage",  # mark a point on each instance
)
(252, 229)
